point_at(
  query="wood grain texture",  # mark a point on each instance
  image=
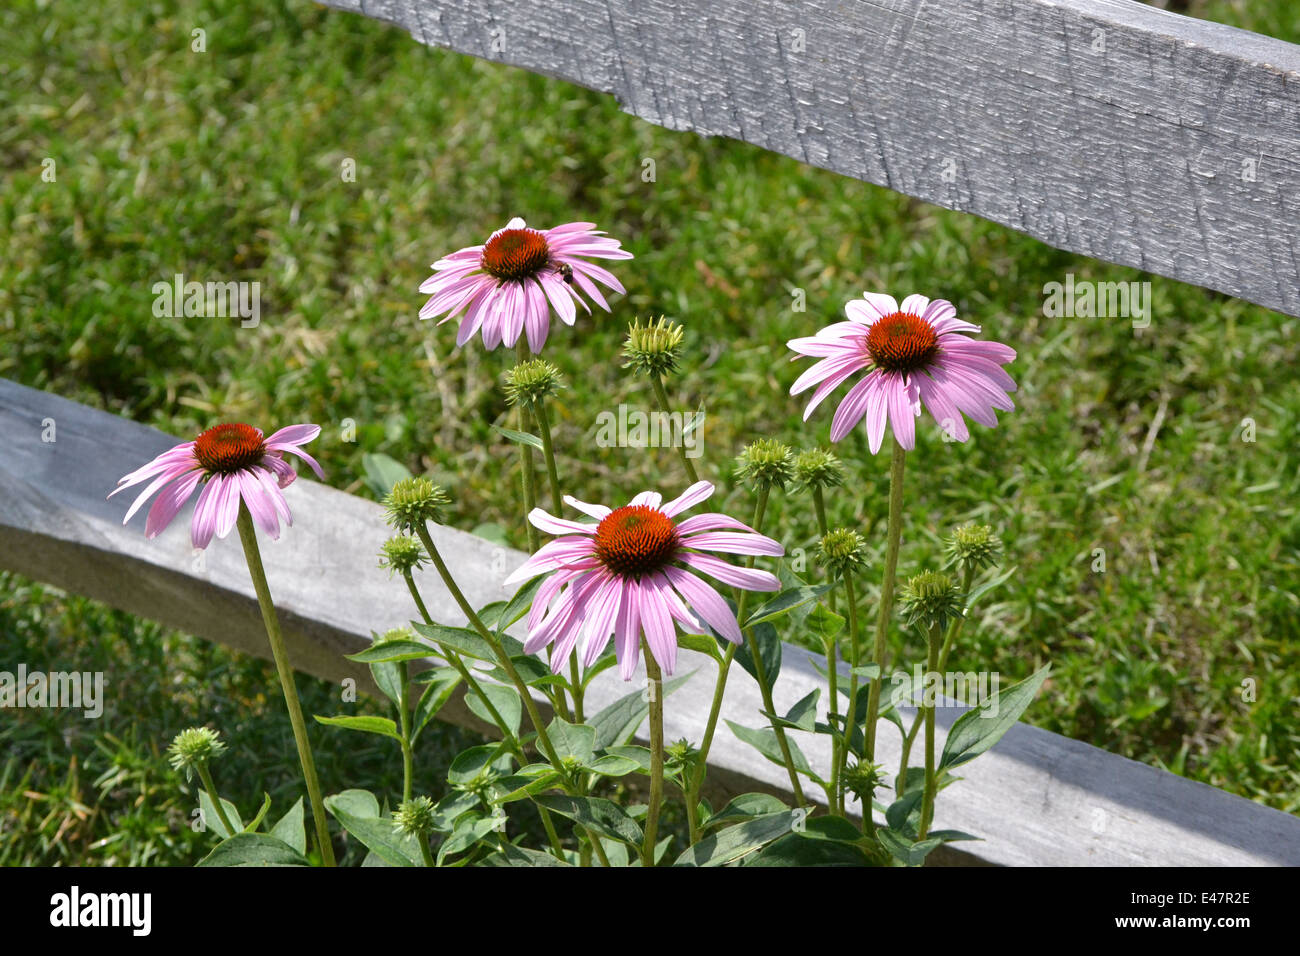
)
(1037, 798)
(1103, 127)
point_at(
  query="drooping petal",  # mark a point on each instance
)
(706, 602)
(169, 503)
(688, 499)
(751, 579)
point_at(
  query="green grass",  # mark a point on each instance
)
(225, 165)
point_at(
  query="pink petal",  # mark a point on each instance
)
(294, 435)
(169, 503)
(205, 513)
(751, 579)
(706, 602)
(688, 499)
(731, 543)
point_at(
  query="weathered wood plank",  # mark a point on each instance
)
(1104, 127)
(1037, 798)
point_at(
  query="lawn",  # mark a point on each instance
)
(227, 165)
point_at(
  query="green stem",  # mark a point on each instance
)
(662, 396)
(931, 778)
(404, 713)
(425, 852)
(836, 796)
(851, 713)
(896, 464)
(655, 678)
(526, 463)
(248, 536)
(543, 418)
(954, 631)
(465, 673)
(206, 776)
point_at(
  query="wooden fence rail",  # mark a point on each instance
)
(1103, 127)
(1036, 798)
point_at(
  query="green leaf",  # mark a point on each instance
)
(596, 813)
(441, 686)
(988, 586)
(389, 677)
(618, 723)
(256, 822)
(358, 813)
(802, 716)
(795, 850)
(460, 639)
(519, 438)
(769, 645)
(520, 603)
(521, 787)
(398, 650)
(451, 808)
(702, 643)
(638, 755)
(605, 662)
(513, 855)
(292, 828)
(612, 765)
(904, 850)
(469, 764)
(212, 820)
(787, 601)
(469, 831)
(952, 836)
(824, 624)
(905, 812)
(371, 725)
(765, 742)
(979, 729)
(577, 741)
(504, 699)
(835, 829)
(735, 842)
(254, 849)
(382, 472)
(744, 807)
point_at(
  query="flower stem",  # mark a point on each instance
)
(557, 504)
(832, 670)
(543, 739)
(655, 678)
(465, 673)
(896, 464)
(657, 381)
(526, 463)
(760, 670)
(425, 852)
(206, 776)
(404, 714)
(248, 536)
(931, 778)
(851, 715)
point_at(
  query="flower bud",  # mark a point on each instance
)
(401, 554)
(973, 547)
(530, 382)
(413, 502)
(931, 599)
(415, 817)
(766, 463)
(654, 348)
(817, 468)
(193, 747)
(842, 551)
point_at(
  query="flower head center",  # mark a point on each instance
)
(902, 342)
(516, 254)
(636, 540)
(228, 448)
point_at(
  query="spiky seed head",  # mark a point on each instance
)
(654, 348)
(530, 382)
(766, 463)
(401, 554)
(414, 502)
(192, 747)
(930, 599)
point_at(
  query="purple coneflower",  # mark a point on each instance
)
(509, 284)
(233, 462)
(913, 354)
(632, 573)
